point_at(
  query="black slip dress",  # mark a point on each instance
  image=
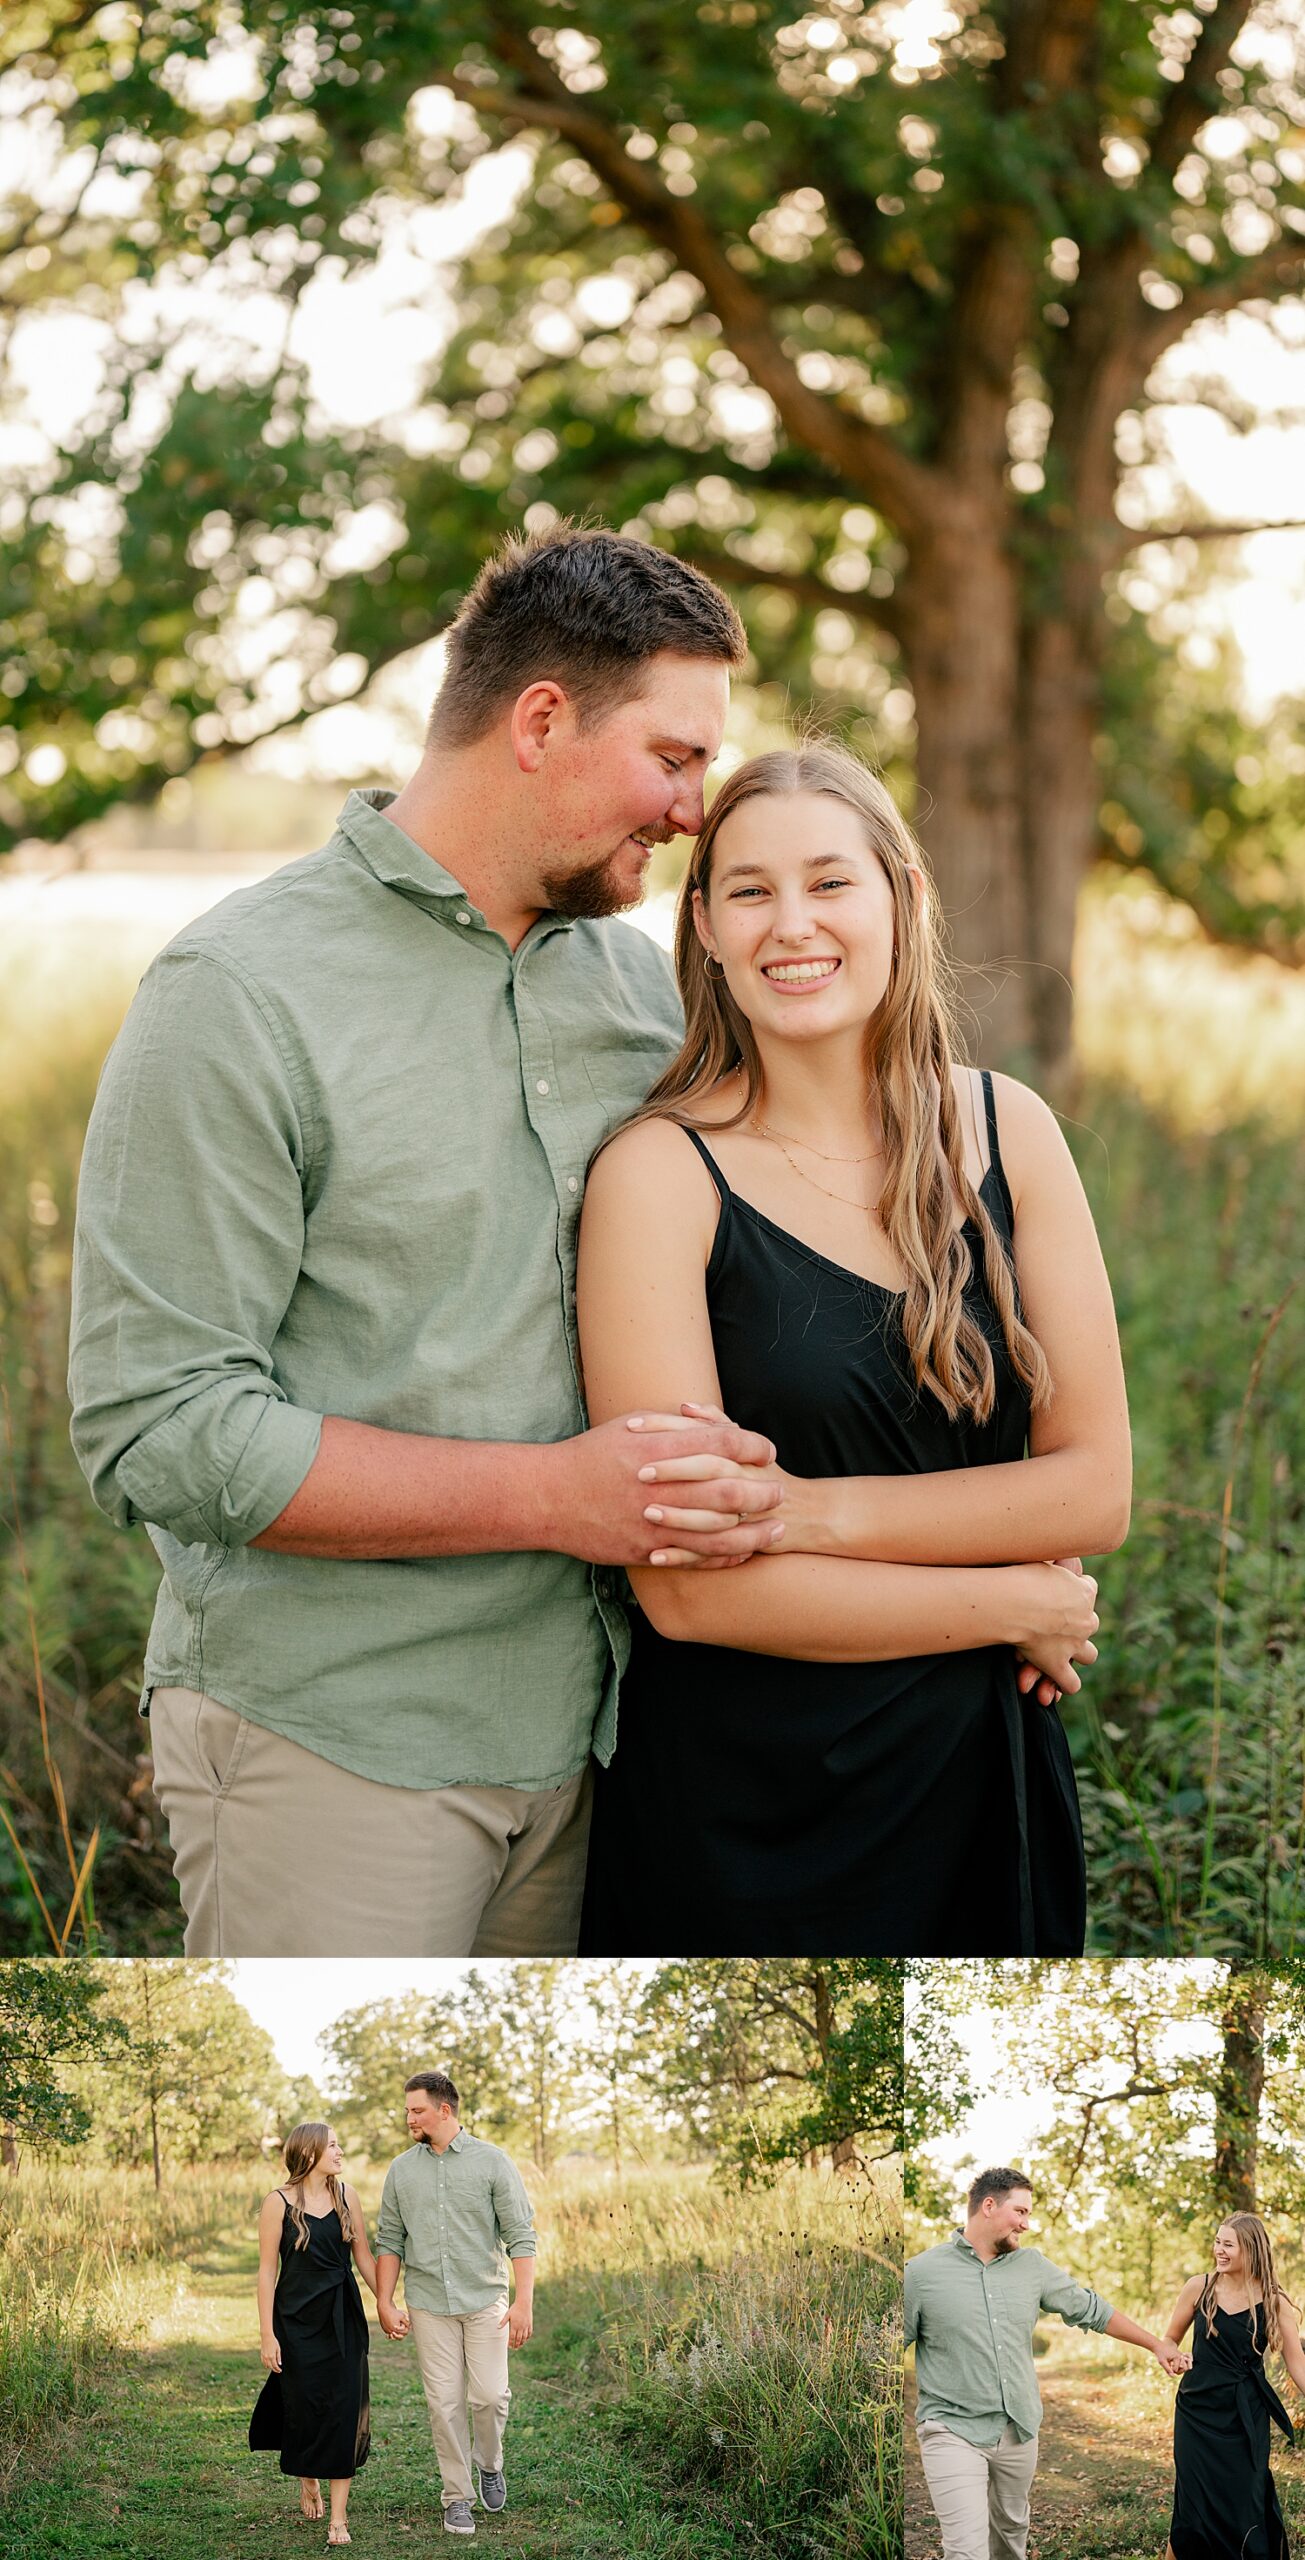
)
(1225, 2504)
(316, 2412)
(758, 1805)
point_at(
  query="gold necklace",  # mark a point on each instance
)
(863, 1205)
(764, 1130)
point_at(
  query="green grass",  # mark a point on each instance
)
(1189, 1736)
(653, 2292)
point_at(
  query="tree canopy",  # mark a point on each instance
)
(867, 319)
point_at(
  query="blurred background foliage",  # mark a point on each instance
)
(894, 320)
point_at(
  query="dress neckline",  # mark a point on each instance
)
(843, 1270)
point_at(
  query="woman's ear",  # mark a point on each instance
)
(919, 884)
(701, 924)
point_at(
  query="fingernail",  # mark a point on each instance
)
(647, 1475)
(654, 1511)
(777, 1534)
(658, 1557)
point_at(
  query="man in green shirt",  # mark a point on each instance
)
(453, 2211)
(972, 2305)
(324, 1337)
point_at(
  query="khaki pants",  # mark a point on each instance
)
(279, 1853)
(980, 2493)
(464, 2374)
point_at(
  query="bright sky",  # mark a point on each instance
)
(296, 1997)
(368, 341)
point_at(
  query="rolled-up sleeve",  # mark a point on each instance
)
(1075, 2303)
(512, 2212)
(391, 2229)
(190, 1229)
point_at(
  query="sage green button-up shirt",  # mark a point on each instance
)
(335, 1166)
(971, 2322)
(455, 2217)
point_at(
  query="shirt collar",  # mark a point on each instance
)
(394, 859)
(392, 856)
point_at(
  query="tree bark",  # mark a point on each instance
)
(9, 2150)
(1060, 794)
(961, 636)
(1238, 2091)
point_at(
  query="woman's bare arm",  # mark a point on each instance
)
(1185, 2309)
(360, 2244)
(270, 2219)
(646, 1235)
(1292, 2355)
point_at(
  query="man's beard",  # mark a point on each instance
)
(1005, 2248)
(595, 890)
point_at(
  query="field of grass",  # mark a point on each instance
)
(1190, 1734)
(710, 2374)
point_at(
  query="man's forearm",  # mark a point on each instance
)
(1120, 2326)
(387, 2276)
(371, 1494)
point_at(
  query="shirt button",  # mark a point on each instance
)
(464, 916)
(541, 1084)
(571, 1183)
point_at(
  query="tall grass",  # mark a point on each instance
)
(1190, 1734)
(751, 2338)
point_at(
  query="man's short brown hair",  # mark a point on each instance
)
(437, 2085)
(997, 2182)
(588, 608)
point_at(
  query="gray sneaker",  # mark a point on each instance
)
(458, 2517)
(493, 2490)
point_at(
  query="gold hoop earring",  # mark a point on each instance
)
(707, 970)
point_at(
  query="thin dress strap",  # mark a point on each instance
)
(708, 1159)
(994, 1145)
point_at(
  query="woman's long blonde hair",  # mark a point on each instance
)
(1257, 2261)
(302, 2149)
(909, 1050)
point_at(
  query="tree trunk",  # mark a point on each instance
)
(959, 601)
(9, 2150)
(1061, 792)
(1238, 2091)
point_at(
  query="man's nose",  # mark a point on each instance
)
(687, 811)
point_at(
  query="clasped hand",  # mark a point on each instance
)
(1173, 2359)
(394, 2322)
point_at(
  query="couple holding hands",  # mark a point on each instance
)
(401, 1421)
(453, 2213)
(972, 2305)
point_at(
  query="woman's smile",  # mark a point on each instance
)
(799, 976)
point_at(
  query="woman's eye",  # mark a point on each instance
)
(754, 892)
(832, 883)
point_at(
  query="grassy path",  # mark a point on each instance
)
(162, 2471)
(1105, 2471)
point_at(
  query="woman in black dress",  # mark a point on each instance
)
(313, 2408)
(816, 1224)
(1225, 2503)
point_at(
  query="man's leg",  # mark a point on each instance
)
(957, 2476)
(1011, 2466)
(441, 2355)
(278, 1852)
(534, 1909)
(485, 2340)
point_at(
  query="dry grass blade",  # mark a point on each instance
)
(80, 1874)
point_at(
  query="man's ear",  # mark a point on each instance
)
(537, 715)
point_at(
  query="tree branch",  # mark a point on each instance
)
(1131, 537)
(1196, 97)
(907, 491)
(806, 586)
